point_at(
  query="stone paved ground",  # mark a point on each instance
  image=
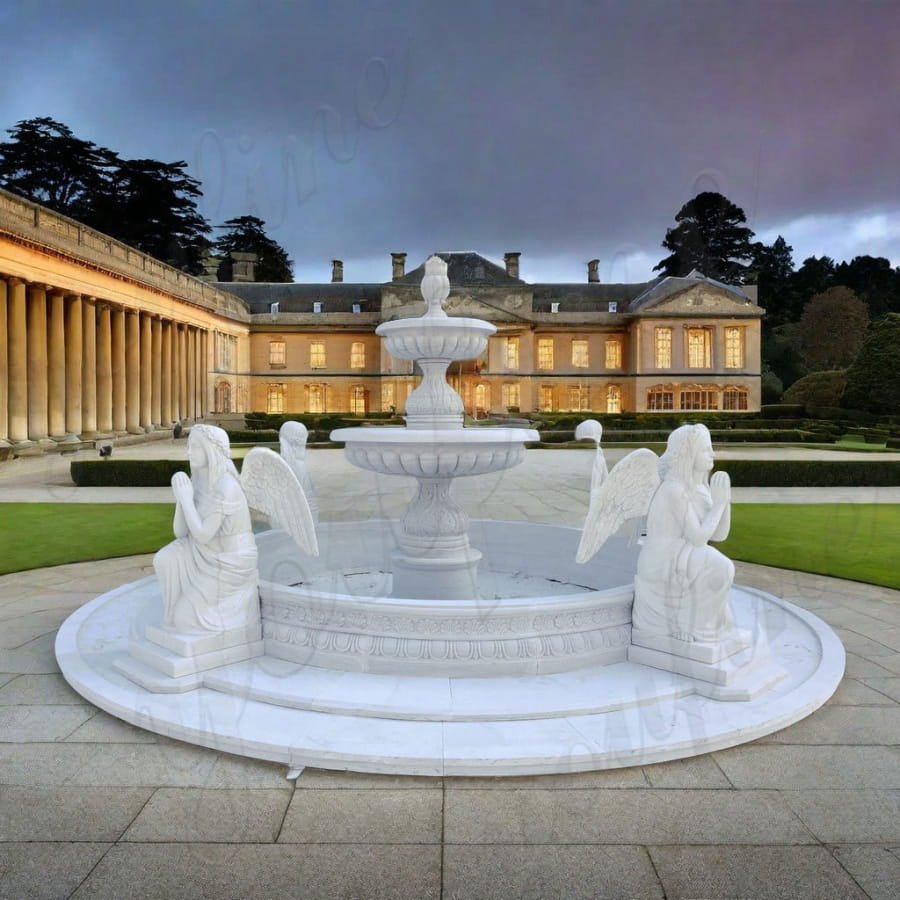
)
(92, 807)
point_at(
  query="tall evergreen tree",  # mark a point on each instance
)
(44, 162)
(246, 234)
(711, 237)
(873, 278)
(771, 268)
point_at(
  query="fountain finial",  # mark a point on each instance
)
(435, 287)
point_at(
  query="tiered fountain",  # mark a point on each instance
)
(405, 649)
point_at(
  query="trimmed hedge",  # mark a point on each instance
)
(130, 472)
(316, 436)
(811, 473)
(726, 436)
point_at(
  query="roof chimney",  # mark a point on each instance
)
(242, 266)
(594, 271)
(512, 264)
(337, 270)
(398, 265)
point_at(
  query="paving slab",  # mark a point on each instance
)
(361, 817)
(68, 814)
(103, 728)
(186, 815)
(889, 686)
(868, 725)
(551, 870)
(620, 817)
(33, 690)
(761, 873)
(39, 871)
(693, 772)
(834, 816)
(23, 724)
(875, 869)
(241, 871)
(853, 692)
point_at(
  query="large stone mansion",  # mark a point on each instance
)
(98, 338)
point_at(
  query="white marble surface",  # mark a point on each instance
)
(617, 716)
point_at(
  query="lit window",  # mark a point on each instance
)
(511, 396)
(613, 306)
(358, 400)
(554, 307)
(734, 399)
(273, 308)
(315, 398)
(613, 399)
(275, 398)
(580, 354)
(276, 354)
(357, 307)
(579, 400)
(317, 355)
(734, 348)
(482, 398)
(699, 400)
(613, 353)
(388, 398)
(546, 398)
(357, 355)
(658, 399)
(699, 356)
(318, 306)
(512, 353)
(545, 353)
(663, 341)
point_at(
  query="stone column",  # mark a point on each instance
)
(203, 380)
(181, 362)
(146, 369)
(4, 369)
(88, 366)
(191, 373)
(104, 370)
(18, 362)
(119, 417)
(37, 362)
(166, 415)
(56, 366)
(132, 372)
(74, 352)
(156, 372)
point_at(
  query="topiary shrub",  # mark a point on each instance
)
(818, 389)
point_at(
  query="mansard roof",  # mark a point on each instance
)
(299, 298)
(465, 267)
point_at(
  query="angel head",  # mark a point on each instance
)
(689, 455)
(208, 448)
(292, 439)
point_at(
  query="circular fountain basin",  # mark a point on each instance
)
(536, 610)
(435, 453)
(431, 337)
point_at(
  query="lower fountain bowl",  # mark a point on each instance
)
(536, 611)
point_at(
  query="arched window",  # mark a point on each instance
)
(223, 397)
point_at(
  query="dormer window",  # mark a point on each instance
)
(273, 308)
(318, 305)
(613, 306)
(554, 307)
(357, 308)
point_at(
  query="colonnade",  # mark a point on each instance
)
(75, 366)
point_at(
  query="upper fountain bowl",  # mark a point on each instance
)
(432, 337)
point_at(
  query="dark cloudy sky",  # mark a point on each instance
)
(565, 130)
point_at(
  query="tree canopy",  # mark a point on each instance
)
(832, 329)
(711, 237)
(147, 204)
(247, 235)
(873, 381)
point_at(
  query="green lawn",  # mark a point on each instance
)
(33, 535)
(855, 541)
(848, 540)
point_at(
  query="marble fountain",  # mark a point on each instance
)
(437, 645)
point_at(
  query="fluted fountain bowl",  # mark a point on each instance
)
(430, 337)
(437, 453)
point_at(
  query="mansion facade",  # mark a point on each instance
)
(98, 339)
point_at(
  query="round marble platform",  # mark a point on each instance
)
(589, 718)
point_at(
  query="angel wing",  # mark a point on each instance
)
(273, 490)
(624, 494)
(592, 430)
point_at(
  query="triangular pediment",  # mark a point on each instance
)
(694, 295)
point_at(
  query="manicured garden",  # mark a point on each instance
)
(854, 541)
